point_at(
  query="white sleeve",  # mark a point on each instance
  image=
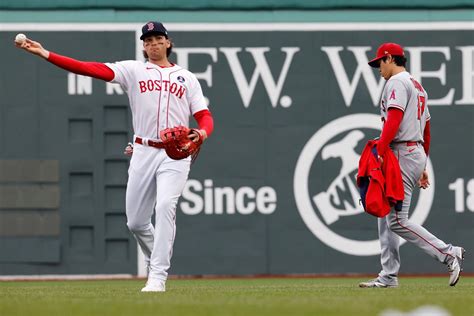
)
(195, 97)
(427, 113)
(124, 72)
(397, 95)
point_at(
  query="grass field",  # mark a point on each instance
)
(285, 296)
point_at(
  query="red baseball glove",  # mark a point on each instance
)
(177, 143)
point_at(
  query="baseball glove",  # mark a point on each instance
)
(177, 143)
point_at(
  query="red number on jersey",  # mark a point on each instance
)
(421, 105)
(421, 98)
(417, 85)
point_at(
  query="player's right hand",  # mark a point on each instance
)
(128, 150)
(424, 182)
(33, 47)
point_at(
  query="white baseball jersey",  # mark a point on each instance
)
(405, 93)
(159, 97)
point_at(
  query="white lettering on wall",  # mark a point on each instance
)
(351, 78)
(77, 84)
(113, 88)
(210, 200)
(262, 70)
(363, 70)
(182, 59)
(467, 75)
(417, 72)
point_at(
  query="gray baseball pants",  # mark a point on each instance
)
(412, 161)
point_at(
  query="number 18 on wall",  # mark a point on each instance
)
(463, 194)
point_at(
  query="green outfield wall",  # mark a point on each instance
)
(232, 4)
(272, 191)
(261, 198)
(209, 11)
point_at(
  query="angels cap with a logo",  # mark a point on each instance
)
(385, 49)
(153, 27)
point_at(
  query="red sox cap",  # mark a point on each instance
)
(385, 49)
(153, 28)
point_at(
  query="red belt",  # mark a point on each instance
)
(411, 143)
(149, 142)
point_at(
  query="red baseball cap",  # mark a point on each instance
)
(385, 49)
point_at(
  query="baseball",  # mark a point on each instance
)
(20, 38)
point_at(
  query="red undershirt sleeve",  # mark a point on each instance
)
(427, 137)
(205, 121)
(390, 129)
(85, 68)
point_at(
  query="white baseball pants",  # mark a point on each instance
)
(155, 183)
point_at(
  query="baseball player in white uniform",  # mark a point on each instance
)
(406, 132)
(161, 95)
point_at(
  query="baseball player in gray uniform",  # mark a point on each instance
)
(406, 132)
